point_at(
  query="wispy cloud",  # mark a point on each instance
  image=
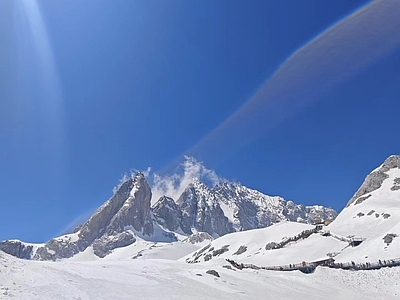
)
(174, 185)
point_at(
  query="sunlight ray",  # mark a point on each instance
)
(33, 43)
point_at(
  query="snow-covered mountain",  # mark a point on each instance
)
(128, 215)
(126, 248)
(248, 209)
(366, 231)
(230, 207)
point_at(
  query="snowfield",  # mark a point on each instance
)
(168, 279)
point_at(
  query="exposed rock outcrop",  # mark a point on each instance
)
(388, 238)
(128, 208)
(230, 207)
(374, 180)
(135, 211)
(198, 237)
(56, 249)
(168, 214)
(104, 245)
(252, 209)
(213, 272)
(242, 249)
(16, 248)
(96, 226)
(201, 210)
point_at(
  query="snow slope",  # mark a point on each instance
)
(314, 248)
(373, 213)
(166, 279)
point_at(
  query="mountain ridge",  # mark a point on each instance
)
(128, 214)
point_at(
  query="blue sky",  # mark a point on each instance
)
(92, 89)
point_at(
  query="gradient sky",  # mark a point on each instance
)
(92, 89)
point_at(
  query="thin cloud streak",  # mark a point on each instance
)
(333, 57)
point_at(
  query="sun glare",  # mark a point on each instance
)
(37, 70)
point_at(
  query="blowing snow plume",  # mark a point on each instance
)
(174, 185)
(339, 53)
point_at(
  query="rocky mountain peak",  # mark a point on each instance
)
(373, 210)
(128, 214)
(129, 207)
(168, 214)
(375, 179)
(393, 161)
(135, 210)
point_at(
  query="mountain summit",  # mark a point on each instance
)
(128, 215)
(230, 207)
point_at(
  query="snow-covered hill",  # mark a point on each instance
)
(373, 214)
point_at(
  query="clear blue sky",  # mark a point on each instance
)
(91, 89)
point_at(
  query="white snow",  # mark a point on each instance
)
(72, 237)
(168, 279)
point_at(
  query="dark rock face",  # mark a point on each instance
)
(218, 252)
(213, 272)
(201, 211)
(104, 245)
(105, 229)
(56, 249)
(271, 245)
(17, 249)
(188, 205)
(362, 199)
(167, 213)
(247, 215)
(207, 253)
(253, 209)
(198, 237)
(242, 249)
(388, 238)
(77, 228)
(374, 180)
(135, 211)
(98, 222)
(396, 184)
